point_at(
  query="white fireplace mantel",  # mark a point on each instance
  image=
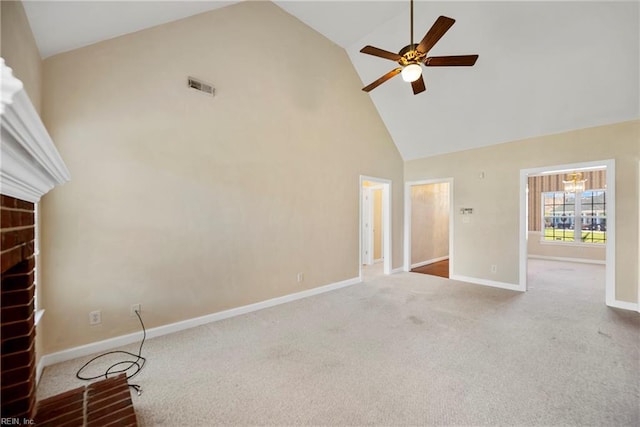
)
(30, 165)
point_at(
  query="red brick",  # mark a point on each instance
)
(16, 391)
(18, 406)
(18, 375)
(16, 282)
(10, 258)
(5, 218)
(27, 218)
(8, 240)
(71, 418)
(17, 344)
(13, 238)
(16, 312)
(16, 329)
(62, 407)
(7, 201)
(23, 358)
(18, 297)
(110, 418)
(23, 204)
(24, 266)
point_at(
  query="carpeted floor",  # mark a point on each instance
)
(406, 349)
(440, 268)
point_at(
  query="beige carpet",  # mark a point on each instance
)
(407, 349)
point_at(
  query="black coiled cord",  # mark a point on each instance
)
(137, 364)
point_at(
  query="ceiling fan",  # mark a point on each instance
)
(410, 57)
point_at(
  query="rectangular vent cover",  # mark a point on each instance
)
(201, 86)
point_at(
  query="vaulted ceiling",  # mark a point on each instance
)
(544, 67)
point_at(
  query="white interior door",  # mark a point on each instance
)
(367, 226)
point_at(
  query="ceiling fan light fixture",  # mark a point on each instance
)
(411, 72)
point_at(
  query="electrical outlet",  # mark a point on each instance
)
(95, 317)
(300, 277)
(134, 308)
(494, 268)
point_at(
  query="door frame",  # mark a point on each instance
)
(610, 251)
(407, 219)
(386, 186)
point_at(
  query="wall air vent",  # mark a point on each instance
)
(203, 87)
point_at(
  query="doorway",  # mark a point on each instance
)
(375, 225)
(562, 221)
(429, 227)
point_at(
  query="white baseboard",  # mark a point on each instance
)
(564, 259)
(623, 305)
(378, 261)
(429, 261)
(111, 343)
(485, 282)
(397, 270)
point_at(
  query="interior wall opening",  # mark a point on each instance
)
(429, 227)
(568, 227)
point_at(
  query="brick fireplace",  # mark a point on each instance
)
(18, 364)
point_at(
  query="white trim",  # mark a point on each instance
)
(566, 259)
(31, 166)
(429, 261)
(9, 86)
(610, 257)
(624, 305)
(378, 261)
(484, 282)
(387, 192)
(407, 220)
(111, 343)
(397, 270)
(39, 314)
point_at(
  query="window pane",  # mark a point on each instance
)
(559, 221)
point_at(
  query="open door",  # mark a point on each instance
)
(375, 223)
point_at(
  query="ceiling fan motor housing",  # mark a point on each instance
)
(410, 55)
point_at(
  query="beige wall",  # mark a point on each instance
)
(189, 204)
(590, 252)
(492, 235)
(429, 222)
(19, 50)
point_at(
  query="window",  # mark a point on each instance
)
(569, 215)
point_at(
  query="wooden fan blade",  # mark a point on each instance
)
(382, 79)
(434, 34)
(451, 61)
(370, 50)
(418, 86)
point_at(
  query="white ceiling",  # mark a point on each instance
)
(544, 67)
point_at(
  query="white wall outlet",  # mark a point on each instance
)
(134, 308)
(300, 277)
(95, 317)
(494, 268)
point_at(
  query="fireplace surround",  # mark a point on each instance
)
(30, 167)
